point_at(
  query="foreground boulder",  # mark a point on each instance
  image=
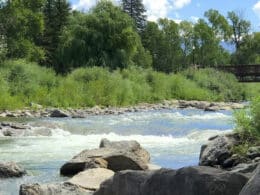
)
(11, 169)
(185, 181)
(116, 156)
(91, 178)
(194, 181)
(218, 150)
(53, 189)
(124, 183)
(253, 185)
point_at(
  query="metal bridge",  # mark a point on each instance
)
(244, 73)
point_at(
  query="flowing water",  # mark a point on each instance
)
(173, 138)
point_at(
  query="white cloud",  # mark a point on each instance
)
(256, 8)
(84, 4)
(155, 9)
(178, 4)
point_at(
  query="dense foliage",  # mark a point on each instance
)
(23, 82)
(248, 126)
(50, 33)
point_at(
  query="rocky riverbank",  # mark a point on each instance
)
(122, 168)
(39, 111)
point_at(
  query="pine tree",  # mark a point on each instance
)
(136, 10)
(56, 14)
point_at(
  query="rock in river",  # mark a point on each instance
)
(11, 169)
(116, 156)
(53, 189)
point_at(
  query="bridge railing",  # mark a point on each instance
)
(242, 70)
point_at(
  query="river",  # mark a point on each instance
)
(173, 138)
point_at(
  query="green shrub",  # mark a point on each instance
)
(224, 86)
(24, 82)
(248, 121)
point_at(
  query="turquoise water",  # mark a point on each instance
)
(173, 138)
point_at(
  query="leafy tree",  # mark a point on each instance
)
(208, 51)
(240, 27)
(56, 15)
(163, 41)
(249, 50)
(219, 24)
(21, 26)
(187, 42)
(104, 37)
(136, 10)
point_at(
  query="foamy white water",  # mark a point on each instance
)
(173, 138)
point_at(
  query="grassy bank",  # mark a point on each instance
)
(23, 82)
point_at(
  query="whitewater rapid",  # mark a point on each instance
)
(173, 138)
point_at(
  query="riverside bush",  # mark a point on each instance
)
(248, 120)
(224, 86)
(24, 82)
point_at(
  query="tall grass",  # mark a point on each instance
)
(22, 82)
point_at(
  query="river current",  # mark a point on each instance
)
(173, 138)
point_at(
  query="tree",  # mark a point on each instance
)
(219, 24)
(163, 41)
(104, 37)
(21, 26)
(208, 51)
(56, 15)
(249, 50)
(136, 10)
(240, 27)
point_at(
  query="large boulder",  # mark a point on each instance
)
(124, 183)
(253, 185)
(131, 146)
(185, 181)
(128, 156)
(218, 150)
(78, 164)
(53, 189)
(194, 181)
(11, 169)
(91, 178)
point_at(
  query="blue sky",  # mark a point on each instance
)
(190, 9)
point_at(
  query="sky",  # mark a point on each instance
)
(191, 10)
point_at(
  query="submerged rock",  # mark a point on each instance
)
(58, 114)
(53, 189)
(11, 169)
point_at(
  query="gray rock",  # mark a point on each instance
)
(245, 168)
(253, 185)
(218, 150)
(77, 165)
(11, 169)
(118, 155)
(58, 114)
(124, 183)
(53, 189)
(91, 178)
(253, 152)
(185, 181)
(132, 146)
(193, 181)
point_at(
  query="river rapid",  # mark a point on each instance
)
(172, 136)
